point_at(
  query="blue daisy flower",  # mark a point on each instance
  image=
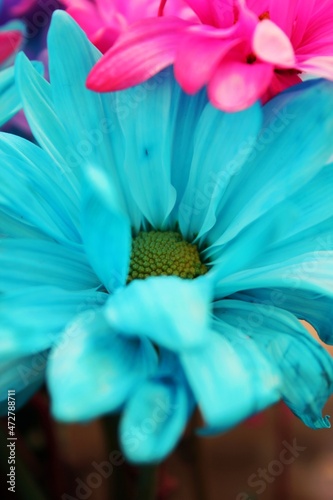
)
(157, 253)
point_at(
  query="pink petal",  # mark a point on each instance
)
(197, 59)
(272, 45)
(320, 66)
(9, 43)
(235, 85)
(87, 17)
(104, 38)
(143, 50)
(22, 7)
(203, 10)
(283, 13)
(304, 13)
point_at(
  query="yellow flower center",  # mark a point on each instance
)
(158, 253)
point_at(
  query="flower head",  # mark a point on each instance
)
(154, 182)
(241, 50)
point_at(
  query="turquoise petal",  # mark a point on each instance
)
(27, 263)
(222, 143)
(311, 306)
(154, 419)
(31, 189)
(301, 222)
(305, 366)
(94, 137)
(9, 95)
(106, 231)
(24, 375)
(230, 377)
(172, 312)
(310, 272)
(32, 319)
(292, 148)
(11, 227)
(47, 128)
(94, 370)
(147, 126)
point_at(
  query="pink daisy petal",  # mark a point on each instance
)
(303, 15)
(283, 13)
(197, 59)
(203, 10)
(9, 43)
(140, 52)
(272, 45)
(104, 38)
(236, 85)
(86, 16)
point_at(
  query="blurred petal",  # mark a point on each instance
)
(94, 370)
(32, 319)
(171, 311)
(146, 48)
(26, 263)
(236, 85)
(272, 45)
(305, 366)
(155, 417)
(231, 380)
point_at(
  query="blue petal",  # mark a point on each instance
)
(106, 231)
(291, 149)
(223, 141)
(187, 112)
(155, 417)
(300, 223)
(9, 95)
(94, 136)
(311, 306)
(26, 263)
(95, 370)
(32, 319)
(32, 190)
(11, 227)
(310, 272)
(305, 366)
(24, 375)
(147, 126)
(171, 311)
(230, 377)
(50, 132)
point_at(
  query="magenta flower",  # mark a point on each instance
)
(11, 37)
(241, 50)
(104, 20)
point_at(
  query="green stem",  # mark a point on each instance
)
(147, 484)
(118, 482)
(26, 486)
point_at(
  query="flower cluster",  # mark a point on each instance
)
(157, 250)
(241, 50)
(153, 178)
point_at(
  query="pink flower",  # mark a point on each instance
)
(11, 37)
(241, 50)
(104, 20)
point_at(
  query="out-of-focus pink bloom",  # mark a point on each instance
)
(242, 50)
(11, 37)
(17, 8)
(104, 20)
